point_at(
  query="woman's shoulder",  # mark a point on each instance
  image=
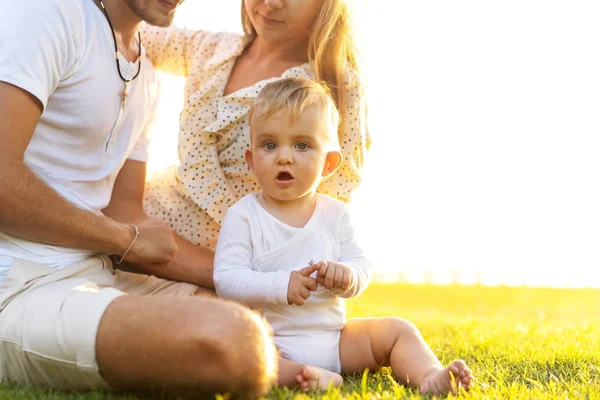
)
(354, 81)
(305, 71)
(219, 46)
(351, 75)
(223, 36)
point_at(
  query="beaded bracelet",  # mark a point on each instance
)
(137, 233)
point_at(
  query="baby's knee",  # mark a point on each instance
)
(399, 327)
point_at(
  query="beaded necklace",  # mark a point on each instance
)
(139, 58)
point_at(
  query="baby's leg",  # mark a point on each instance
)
(305, 377)
(376, 342)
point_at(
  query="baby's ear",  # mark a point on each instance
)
(249, 159)
(332, 162)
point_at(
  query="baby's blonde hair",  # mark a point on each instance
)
(296, 95)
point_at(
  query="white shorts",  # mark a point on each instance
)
(318, 349)
(49, 319)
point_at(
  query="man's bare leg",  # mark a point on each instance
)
(185, 346)
(377, 342)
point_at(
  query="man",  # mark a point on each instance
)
(73, 126)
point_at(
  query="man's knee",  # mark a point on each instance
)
(186, 346)
(240, 352)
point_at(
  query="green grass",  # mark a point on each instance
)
(520, 343)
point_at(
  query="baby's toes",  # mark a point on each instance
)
(301, 383)
(457, 367)
(465, 373)
(467, 380)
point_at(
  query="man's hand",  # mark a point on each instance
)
(334, 275)
(155, 245)
(301, 284)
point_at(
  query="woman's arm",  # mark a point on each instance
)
(234, 277)
(171, 50)
(191, 263)
(355, 140)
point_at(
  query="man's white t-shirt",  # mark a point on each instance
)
(62, 52)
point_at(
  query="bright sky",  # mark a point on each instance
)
(485, 118)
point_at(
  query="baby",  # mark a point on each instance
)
(293, 253)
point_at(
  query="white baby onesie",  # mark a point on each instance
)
(255, 256)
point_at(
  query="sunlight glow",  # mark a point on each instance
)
(485, 120)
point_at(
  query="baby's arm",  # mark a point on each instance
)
(352, 255)
(350, 275)
(236, 280)
(233, 274)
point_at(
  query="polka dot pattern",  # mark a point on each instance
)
(214, 134)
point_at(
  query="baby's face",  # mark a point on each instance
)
(288, 157)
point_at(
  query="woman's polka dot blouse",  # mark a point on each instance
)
(214, 134)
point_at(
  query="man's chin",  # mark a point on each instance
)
(154, 14)
(162, 21)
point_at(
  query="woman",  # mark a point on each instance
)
(225, 71)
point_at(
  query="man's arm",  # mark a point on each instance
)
(191, 263)
(31, 210)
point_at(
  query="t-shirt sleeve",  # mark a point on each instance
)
(141, 149)
(38, 43)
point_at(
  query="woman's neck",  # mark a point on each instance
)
(290, 51)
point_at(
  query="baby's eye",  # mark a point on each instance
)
(269, 146)
(302, 146)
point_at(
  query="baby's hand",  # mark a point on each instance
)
(334, 275)
(301, 284)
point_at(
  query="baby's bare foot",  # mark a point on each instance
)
(440, 381)
(317, 378)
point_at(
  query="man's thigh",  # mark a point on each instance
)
(149, 285)
(186, 345)
(48, 334)
(129, 281)
(50, 326)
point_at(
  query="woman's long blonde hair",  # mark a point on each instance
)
(332, 50)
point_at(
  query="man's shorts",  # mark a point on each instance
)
(49, 319)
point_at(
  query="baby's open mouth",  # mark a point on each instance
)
(284, 176)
